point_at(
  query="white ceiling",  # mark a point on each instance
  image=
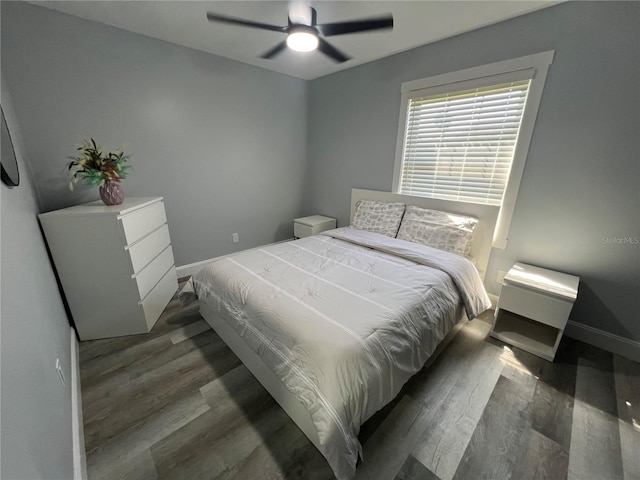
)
(416, 23)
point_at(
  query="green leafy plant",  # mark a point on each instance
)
(95, 168)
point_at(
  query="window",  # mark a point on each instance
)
(459, 144)
(464, 136)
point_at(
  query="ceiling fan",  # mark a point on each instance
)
(305, 35)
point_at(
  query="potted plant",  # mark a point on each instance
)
(100, 170)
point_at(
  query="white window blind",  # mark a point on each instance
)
(460, 138)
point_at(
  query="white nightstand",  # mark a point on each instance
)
(533, 309)
(307, 226)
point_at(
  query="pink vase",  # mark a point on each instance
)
(111, 193)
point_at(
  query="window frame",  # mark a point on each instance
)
(539, 62)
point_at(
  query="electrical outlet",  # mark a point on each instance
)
(501, 275)
(235, 237)
(60, 373)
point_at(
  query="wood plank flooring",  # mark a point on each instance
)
(178, 404)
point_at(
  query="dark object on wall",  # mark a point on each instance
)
(10, 174)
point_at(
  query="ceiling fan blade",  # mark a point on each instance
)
(340, 28)
(275, 50)
(331, 51)
(214, 17)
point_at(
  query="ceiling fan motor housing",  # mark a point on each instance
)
(300, 14)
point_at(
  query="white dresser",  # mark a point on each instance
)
(115, 264)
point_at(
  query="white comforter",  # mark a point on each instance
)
(344, 319)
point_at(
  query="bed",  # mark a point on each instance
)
(334, 324)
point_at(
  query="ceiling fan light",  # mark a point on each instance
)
(302, 41)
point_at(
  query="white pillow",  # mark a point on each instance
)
(379, 217)
(447, 231)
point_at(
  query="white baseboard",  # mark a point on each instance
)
(605, 340)
(191, 268)
(77, 429)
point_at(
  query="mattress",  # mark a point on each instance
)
(343, 319)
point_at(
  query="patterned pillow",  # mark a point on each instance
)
(447, 231)
(378, 217)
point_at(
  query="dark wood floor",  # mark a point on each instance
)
(178, 404)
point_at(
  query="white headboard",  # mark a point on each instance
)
(486, 215)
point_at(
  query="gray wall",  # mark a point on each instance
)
(581, 184)
(222, 141)
(35, 406)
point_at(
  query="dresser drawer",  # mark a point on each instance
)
(147, 278)
(142, 222)
(536, 306)
(145, 250)
(158, 298)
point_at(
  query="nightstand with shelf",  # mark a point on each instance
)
(534, 308)
(307, 226)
